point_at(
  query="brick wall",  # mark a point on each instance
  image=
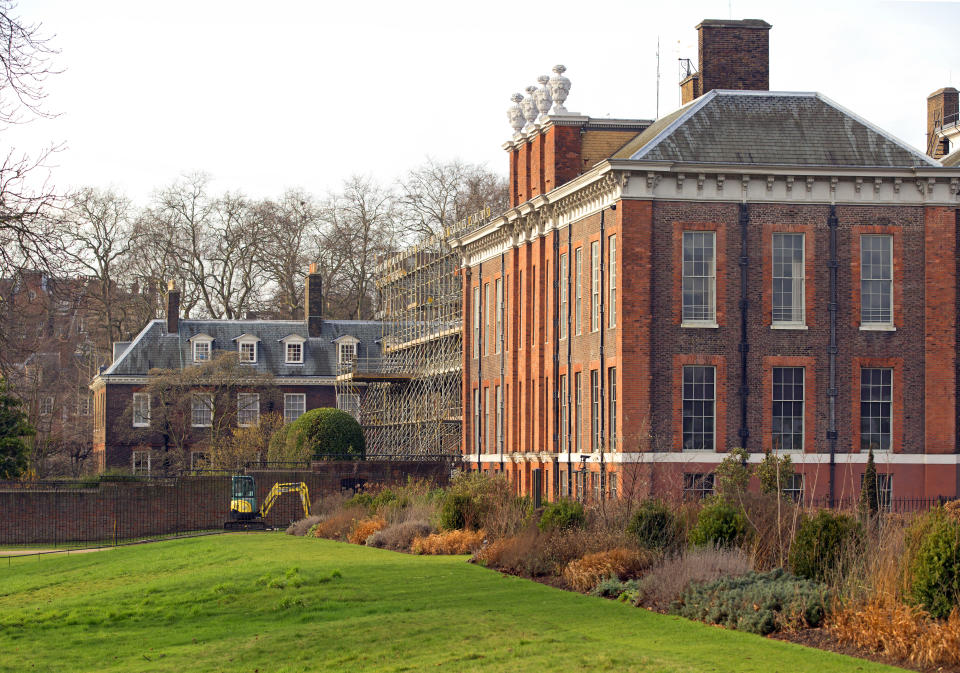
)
(124, 510)
(734, 55)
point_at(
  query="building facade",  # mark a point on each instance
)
(757, 269)
(299, 359)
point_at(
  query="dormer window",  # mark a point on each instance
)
(293, 349)
(247, 348)
(202, 347)
(346, 351)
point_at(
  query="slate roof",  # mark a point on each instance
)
(952, 159)
(154, 348)
(770, 128)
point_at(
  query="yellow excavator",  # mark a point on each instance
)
(244, 513)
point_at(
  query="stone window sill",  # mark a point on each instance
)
(787, 325)
(877, 328)
(700, 325)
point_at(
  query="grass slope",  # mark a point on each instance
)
(275, 603)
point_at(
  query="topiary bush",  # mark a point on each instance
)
(756, 602)
(935, 567)
(820, 546)
(325, 433)
(562, 515)
(719, 523)
(655, 526)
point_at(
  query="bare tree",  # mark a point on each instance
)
(361, 226)
(435, 195)
(99, 235)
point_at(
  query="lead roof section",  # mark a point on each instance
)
(767, 127)
(154, 348)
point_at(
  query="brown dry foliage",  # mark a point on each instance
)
(364, 528)
(303, 525)
(665, 582)
(449, 542)
(584, 574)
(399, 536)
(338, 524)
(905, 632)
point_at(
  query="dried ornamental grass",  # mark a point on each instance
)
(399, 536)
(902, 631)
(338, 524)
(365, 528)
(449, 542)
(586, 573)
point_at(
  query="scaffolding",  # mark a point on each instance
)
(410, 396)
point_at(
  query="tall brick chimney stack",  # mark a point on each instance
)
(313, 301)
(943, 108)
(732, 55)
(173, 308)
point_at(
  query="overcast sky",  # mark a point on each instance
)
(270, 95)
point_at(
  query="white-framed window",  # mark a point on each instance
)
(487, 310)
(699, 278)
(486, 420)
(564, 295)
(294, 352)
(612, 405)
(349, 402)
(788, 303)
(612, 281)
(294, 406)
(594, 410)
(141, 462)
(476, 420)
(578, 292)
(83, 406)
(787, 416)
(884, 489)
(141, 410)
(476, 322)
(794, 487)
(201, 411)
(248, 351)
(347, 352)
(46, 405)
(594, 286)
(564, 414)
(498, 334)
(202, 349)
(577, 411)
(699, 401)
(876, 409)
(697, 486)
(876, 280)
(248, 409)
(498, 419)
(612, 478)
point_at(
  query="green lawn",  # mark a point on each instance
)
(230, 603)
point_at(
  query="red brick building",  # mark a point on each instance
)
(756, 269)
(302, 359)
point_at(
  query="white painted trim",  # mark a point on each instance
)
(877, 327)
(129, 350)
(692, 108)
(710, 457)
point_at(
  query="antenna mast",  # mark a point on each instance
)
(657, 116)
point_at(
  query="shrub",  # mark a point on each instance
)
(733, 473)
(448, 542)
(935, 568)
(562, 515)
(665, 582)
(339, 524)
(470, 499)
(820, 546)
(364, 528)
(719, 523)
(399, 536)
(901, 631)
(301, 527)
(774, 473)
(614, 587)
(756, 602)
(585, 573)
(325, 431)
(655, 526)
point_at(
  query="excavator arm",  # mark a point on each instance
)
(279, 489)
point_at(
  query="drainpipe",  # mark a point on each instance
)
(569, 393)
(601, 374)
(832, 351)
(744, 346)
(478, 432)
(556, 363)
(501, 417)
